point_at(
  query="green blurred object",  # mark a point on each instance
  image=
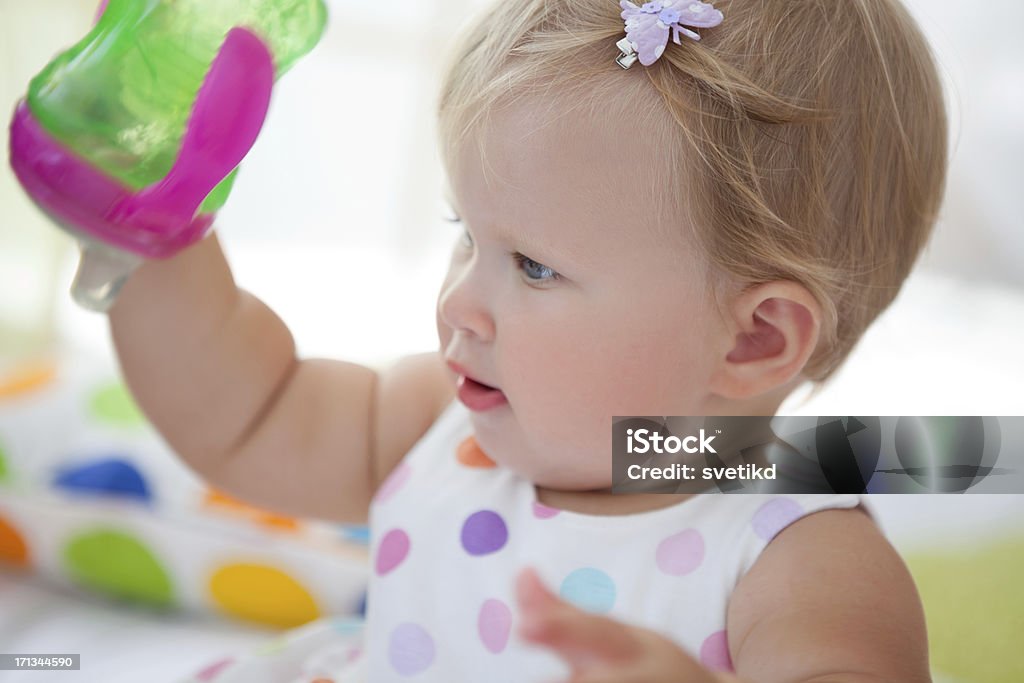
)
(112, 562)
(974, 606)
(121, 97)
(3, 465)
(113, 405)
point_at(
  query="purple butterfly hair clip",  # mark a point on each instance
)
(648, 27)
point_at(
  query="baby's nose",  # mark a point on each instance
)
(463, 305)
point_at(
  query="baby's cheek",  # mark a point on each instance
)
(571, 434)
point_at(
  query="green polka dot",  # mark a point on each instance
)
(118, 565)
(112, 404)
(5, 473)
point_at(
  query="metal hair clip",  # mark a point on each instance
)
(648, 27)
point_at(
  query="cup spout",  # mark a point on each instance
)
(102, 270)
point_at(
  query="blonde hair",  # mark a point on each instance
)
(813, 134)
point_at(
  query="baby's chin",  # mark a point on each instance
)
(503, 442)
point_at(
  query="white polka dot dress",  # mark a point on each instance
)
(450, 531)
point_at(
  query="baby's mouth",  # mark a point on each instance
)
(478, 396)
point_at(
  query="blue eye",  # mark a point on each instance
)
(535, 272)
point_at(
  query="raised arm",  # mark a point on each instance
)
(216, 372)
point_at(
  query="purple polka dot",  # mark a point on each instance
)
(680, 553)
(484, 532)
(714, 652)
(542, 511)
(393, 549)
(774, 516)
(410, 649)
(395, 481)
(494, 625)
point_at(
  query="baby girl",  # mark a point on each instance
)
(697, 234)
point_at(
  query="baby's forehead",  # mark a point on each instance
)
(607, 151)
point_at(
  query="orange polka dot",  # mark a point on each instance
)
(470, 454)
(26, 378)
(259, 515)
(13, 549)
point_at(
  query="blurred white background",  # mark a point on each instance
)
(335, 219)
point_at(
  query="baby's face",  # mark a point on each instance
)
(561, 294)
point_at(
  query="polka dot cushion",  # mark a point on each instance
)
(90, 496)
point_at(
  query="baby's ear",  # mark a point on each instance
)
(773, 329)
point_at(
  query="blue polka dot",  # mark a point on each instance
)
(356, 534)
(590, 589)
(348, 625)
(361, 609)
(112, 477)
(484, 532)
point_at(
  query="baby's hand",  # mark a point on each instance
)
(599, 649)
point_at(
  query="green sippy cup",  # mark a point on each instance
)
(130, 140)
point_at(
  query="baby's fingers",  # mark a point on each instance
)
(579, 637)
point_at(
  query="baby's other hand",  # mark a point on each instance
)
(599, 649)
